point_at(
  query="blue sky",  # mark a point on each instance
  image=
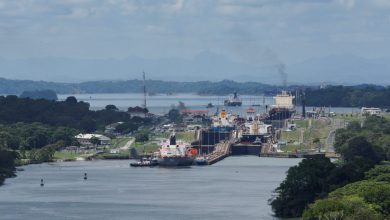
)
(242, 30)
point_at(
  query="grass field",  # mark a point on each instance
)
(185, 136)
(66, 155)
(119, 142)
(311, 131)
(145, 147)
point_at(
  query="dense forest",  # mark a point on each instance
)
(34, 129)
(356, 187)
(349, 96)
(68, 113)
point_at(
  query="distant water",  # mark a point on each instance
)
(235, 188)
(162, 103)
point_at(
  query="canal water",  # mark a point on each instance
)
(234, 188)
(162, 103)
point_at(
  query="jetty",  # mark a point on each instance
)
(221, 151)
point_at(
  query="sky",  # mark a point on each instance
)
(256, 32)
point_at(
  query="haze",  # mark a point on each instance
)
(337, 41)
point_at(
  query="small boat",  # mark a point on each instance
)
(145, 162)
(201, 161)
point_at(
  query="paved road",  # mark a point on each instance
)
(336, 124)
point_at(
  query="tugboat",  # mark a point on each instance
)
(145, 162)
(201, 160)
(233, 101)
(176, 153)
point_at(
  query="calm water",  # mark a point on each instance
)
(235, 188)
(162, 103)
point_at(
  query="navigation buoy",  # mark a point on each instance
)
(85, 176)
(42, 183)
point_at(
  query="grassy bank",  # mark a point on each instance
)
(306, 134)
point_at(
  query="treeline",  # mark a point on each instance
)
(34, 130)
(35, 142)
(24, 137)
(349, 96)
(40, 94)
(7, 164)
(356, 187)
(224, 87)
(68, 113)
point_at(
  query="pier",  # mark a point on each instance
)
(221, 151)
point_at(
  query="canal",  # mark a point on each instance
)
(235, 188)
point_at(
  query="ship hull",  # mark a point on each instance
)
(233, 103)
(280, 113)
(175, 161)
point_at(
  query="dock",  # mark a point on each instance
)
(221, 151)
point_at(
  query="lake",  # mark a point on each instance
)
(234, 188)
(162, 103)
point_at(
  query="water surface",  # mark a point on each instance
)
(162, 103)
(235, 188)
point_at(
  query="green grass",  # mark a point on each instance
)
(185, 136)
(66, 155)
(301, 123)
(119, 142)
(293, 148)
(145, 147)
(319, 129)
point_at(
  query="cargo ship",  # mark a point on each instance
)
(283, 107)
(233, 101)
(256, 133)
(176, 153)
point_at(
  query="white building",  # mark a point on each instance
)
(85, 139)
(371, 111)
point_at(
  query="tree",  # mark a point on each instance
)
(174, 115)
(111, 108)
(88, 125)
(7, 164)
(126, 128)
(40, 94)
(379, 173)
(345, 208)
(141, 137)
(372, 192)
(4, 140)
(71, 100)
(359, 147)
(46, 153)
(348, 172)
(303, 184)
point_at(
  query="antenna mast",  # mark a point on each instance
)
(143, 76)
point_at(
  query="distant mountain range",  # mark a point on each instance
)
(335, 69)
